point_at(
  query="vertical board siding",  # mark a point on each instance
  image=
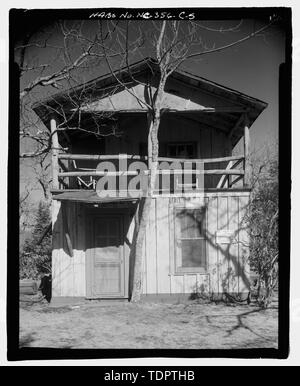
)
(162, 246)
(190, 284)
(88, 256)
(227, 264)
(177, 284)
(244, 271)
(69, 278)
(72, 220)
(222, 213)
(211, 248)
(66, 262)
(151, 251)
(56, 241)
(79, 252)
(233, 253)
(223, 248)
(145, 281)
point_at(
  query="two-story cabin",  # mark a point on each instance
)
(196, 239)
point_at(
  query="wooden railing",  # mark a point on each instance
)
(226, 174)
(228, 171)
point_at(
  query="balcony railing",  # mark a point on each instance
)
(82, 171)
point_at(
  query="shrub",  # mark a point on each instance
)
(263, 227)
(35, 257)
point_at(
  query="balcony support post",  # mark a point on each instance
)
(247, 166)
(54, 154)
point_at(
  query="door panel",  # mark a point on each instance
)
(107, 279)
(108, 259)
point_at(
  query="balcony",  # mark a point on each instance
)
(131, 172)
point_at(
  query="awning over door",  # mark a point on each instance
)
(88, 196)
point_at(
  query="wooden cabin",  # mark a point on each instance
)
(196, 241)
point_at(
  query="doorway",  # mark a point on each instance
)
(106, 257)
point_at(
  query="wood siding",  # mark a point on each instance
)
(209, 142)
(227, 267)
(69, 278)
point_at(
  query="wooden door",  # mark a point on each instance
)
(107, 257)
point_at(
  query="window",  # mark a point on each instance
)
(190, 251)
(182, 150)
(172, 149)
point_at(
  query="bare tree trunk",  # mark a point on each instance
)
(137, 246)
(153, 150)
(154, 118)
(144, 210)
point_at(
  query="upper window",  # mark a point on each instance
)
(182, 150)
(186, 150)
(190, 251)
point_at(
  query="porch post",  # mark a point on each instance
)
(54, 154)
(56, 218)
(247, 166)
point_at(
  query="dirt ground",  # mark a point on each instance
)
(148, 325)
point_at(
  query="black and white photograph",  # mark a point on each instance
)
(147, 216)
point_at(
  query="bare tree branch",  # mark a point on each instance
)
(235, 43)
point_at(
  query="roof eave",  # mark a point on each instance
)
(255, 106)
